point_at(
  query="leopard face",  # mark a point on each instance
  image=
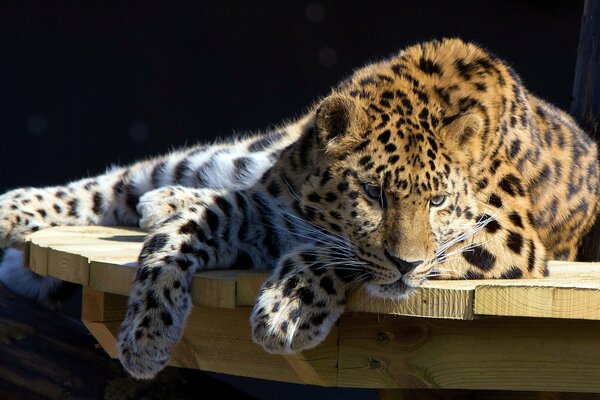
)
(402, 197)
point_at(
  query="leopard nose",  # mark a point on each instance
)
(403, 266)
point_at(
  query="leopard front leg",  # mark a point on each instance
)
(299, 303)
(204, 235)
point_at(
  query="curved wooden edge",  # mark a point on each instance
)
(104, 259)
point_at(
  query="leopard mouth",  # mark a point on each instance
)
(398, 289)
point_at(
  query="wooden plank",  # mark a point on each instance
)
(68, 267)
(98, 306)
(450, 299)
(571, 291)
(214, 289)
(534, 301)
(38, 259)
(492, 353)
(112, 275)
(248, 285)
(219, 340)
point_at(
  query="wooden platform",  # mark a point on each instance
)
(534, 335)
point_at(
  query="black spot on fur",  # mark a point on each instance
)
(491, 226)
(429, 67)
(73, 208)
(531, 256)
(515, 218)
(183, 263)
(314, 197)
(473, 275)
(157, 172)
(166, 318)
(155, 243)
(514, 241)
(189, 228)
(182, 169)
(97, 203)
(212, 220)
(384, 137)
(319, 318)
(305, 295)
(290, 285)
(326, 284)
(515, 147)
(264, 142)
(512, 185)
(363, 145)
(512, 273)
(276, 306)
(151, 300)
(495, 200)
(481, 258)
(167, 295)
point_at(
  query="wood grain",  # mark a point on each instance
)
(493, 353)
(105, 259)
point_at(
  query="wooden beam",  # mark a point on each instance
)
(585, 106)
(490, 354)
(105, 258)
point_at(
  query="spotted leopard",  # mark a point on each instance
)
(433, 163)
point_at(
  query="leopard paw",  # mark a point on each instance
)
(146, 338)
(295, 312)
(157, 205)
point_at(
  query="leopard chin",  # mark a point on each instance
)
(398, 290)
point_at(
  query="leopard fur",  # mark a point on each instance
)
(433, 163)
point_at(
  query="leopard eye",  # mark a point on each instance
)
(437, 201)
(372, 191)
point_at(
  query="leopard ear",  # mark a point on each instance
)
(336, 116)
(462, 129)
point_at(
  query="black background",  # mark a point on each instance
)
(86, 85)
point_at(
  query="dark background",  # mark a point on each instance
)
(86, 85)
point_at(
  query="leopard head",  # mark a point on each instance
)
(397, 176)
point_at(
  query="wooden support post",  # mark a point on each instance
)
(585, 106)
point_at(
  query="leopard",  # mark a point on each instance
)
(433, 163)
